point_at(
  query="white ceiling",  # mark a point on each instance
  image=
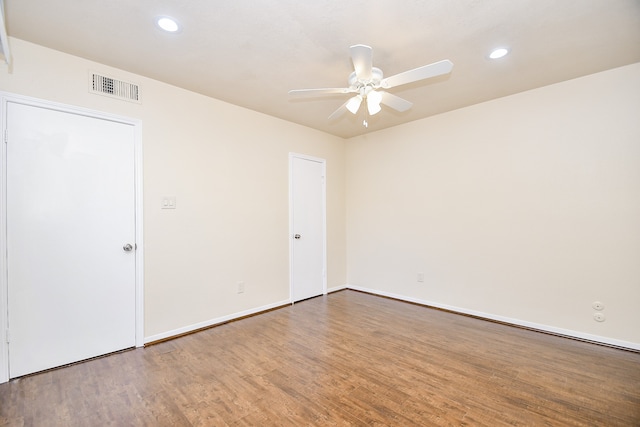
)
(252, 52)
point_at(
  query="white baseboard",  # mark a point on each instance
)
(517, 322)
(211, 322)
(336, 288)
(488, 316)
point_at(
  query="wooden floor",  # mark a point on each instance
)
(345, 359)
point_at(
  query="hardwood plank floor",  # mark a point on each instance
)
(347, 359)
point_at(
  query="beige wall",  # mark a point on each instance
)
(524, 208)
(228, 168)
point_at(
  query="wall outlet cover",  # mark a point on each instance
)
(168, 202)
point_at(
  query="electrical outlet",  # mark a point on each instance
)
(420, 277)
(240, 287)
(599, 317)
(597, 305)
(168, 202)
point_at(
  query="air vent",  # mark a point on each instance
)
(108, 86)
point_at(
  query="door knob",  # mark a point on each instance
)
(297, 236)
(127, 247)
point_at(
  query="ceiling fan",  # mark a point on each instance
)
(368, 81)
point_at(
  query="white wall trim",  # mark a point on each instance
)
(517, 322)
(139, 203)
(5, 98)
(337, 288)
(4, 348)
(212, 322)
(324, 219)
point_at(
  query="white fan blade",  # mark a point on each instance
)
(395, 102)
(339, 112)
(362, 57)
(316, 92)
(420, 73)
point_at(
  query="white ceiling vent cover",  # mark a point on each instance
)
(109, 86)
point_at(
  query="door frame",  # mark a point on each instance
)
(5, 99)
(323, 162)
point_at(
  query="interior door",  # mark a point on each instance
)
(308, 212)
(70, 237)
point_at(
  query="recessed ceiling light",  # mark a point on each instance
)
(498, 53)
(167, 24)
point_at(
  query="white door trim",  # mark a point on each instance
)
(324, 220)
(6, 98)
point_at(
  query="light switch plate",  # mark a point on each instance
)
(168, 202)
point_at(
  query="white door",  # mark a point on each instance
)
(70, 214)
(308, 227)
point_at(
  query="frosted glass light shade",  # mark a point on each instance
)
(373, 102)
(354, 104)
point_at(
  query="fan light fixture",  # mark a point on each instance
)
(167, 24)
(498, 53)
(373, 102)
(353, 105)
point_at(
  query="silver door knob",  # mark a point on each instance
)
(297, 236)
(127, 247)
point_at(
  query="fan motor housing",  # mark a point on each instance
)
(376, 77)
